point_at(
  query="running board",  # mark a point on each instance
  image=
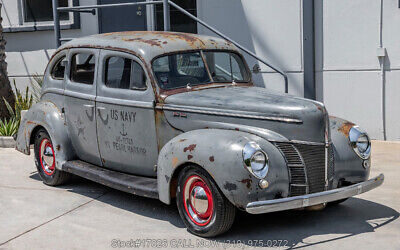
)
(137, 185)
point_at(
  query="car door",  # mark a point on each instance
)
(80, 95)
(125, 115)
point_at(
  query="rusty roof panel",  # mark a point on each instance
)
(150, 44)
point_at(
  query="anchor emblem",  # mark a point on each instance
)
(123, 132)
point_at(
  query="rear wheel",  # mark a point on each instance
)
(203, 208)
(45, 160)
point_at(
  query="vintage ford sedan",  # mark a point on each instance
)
(175, 116)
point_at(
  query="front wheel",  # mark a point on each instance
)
(46, 161)
(203, 208)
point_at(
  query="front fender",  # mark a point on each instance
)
(47, 115)
(219, 152)
(348, 165)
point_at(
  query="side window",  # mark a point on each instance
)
(57, 72)
(124, 73)
(82, 68)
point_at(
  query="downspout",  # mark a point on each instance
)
(381, 53)
(309, 49)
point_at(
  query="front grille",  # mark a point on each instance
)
(314, 160)
(306, 164)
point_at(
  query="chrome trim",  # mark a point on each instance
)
(259, 207)
(229, 113)
(248, 152)
(306, 142)
(300, 142)
(122, 102)
(326, 166)
(78, 95)
(53, 91)
(354, 134)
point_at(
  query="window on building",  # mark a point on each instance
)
(124, 73)
(42, 10)
(82, 68)
(59, 68)
(179, 21)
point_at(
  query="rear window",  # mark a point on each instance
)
(82, 68)
(57, 72)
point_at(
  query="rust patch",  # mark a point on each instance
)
(247, 182)
(190, 157)
(230, 186)
(190, 148)
(211, 158)
(152, 42)
(345, 128)
(31, 122)
(182, 140)
(103, 161)
(174, 161)
(58, 147)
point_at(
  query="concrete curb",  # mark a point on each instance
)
(7, 142)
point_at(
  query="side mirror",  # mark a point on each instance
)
(256, 69)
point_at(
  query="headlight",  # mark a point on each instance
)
(360, 142)
(255, 160)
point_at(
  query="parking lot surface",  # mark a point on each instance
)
(86, 215)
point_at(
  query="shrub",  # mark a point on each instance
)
(9, 127)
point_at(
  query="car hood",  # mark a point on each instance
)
(292, 117)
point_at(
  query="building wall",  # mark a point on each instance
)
(348, 71)
(271, 28)
(29, 51)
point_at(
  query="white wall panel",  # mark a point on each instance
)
(275, 82)
(270, 28)
(391, 32)
(10, 13)
(355, 96)
(351, 34)
(393, 105)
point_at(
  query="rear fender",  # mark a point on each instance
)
(47, 115)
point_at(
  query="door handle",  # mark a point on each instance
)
(99, 109)
(90, 106)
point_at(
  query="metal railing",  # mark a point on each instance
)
(166, 14)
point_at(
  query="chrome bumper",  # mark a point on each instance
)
(259, 207)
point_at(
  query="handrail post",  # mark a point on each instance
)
(166, 14)
(56, 23)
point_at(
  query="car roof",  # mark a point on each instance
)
(149, 44)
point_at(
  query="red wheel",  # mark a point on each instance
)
(202, 206)
(46, 156)
(45, 159)
(198, 200)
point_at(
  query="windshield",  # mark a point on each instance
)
(183, 69)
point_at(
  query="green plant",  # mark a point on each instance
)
(9, 127)
(37, 87)
(22, 102)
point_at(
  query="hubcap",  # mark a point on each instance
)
(198, 200)
(46, 155)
